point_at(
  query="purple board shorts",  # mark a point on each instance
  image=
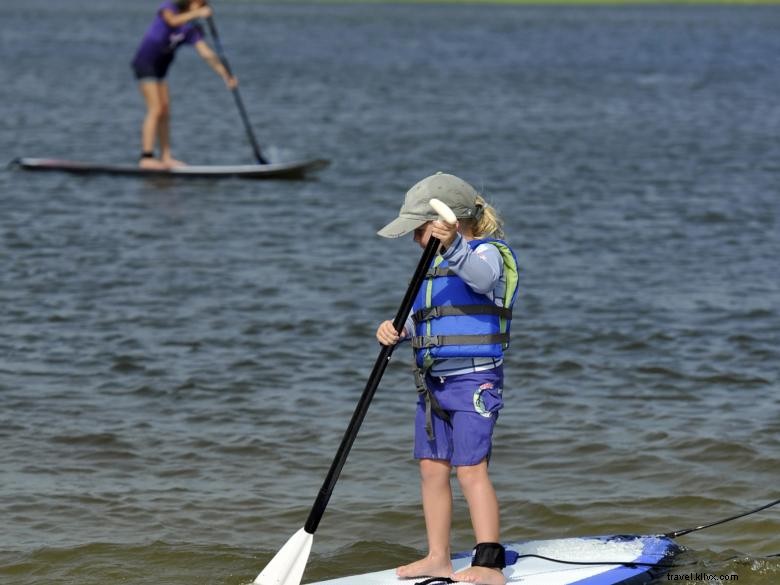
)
(472, 401)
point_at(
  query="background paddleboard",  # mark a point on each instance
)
(656, 551)
(289, 170)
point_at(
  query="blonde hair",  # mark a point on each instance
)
(488, 224)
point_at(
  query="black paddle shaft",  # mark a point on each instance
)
(318, 509)
(236, 95)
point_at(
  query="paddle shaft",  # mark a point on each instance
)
(318, 509)
(236, 94)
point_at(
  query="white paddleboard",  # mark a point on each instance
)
(288, 170)
(656, 551)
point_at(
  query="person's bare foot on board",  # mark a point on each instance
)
(480, 575)
(172, 163)
(428, 567)
(152, 163)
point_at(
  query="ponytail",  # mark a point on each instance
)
(487, 223)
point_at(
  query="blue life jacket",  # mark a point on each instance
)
(453, 321)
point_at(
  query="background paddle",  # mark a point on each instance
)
(236, 94)
(286, 568)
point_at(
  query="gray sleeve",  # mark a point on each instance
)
(409, 327)
(480, 268)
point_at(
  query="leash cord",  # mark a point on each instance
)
(685, 531)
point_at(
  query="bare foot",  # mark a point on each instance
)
(172, 163)
(427, 567)
(151, 163)
(481, 575)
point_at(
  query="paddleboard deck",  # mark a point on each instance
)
(289, 170)
(653, 552)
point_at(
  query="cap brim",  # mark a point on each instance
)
(400, 226)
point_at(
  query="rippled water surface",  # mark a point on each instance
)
(179, 359)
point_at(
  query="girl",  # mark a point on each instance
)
(459, 328)
(173, 26)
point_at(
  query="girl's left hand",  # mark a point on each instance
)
(445, 232)
(231, 81)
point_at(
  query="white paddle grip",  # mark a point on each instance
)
(445, 213)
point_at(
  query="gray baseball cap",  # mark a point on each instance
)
(455, 192)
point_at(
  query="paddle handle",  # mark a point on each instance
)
(318, 509)
(445, 214)
(236, 94)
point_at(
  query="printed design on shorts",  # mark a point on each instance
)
(479, 401)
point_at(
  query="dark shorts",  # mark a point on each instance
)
(472, 401)
(155, 69)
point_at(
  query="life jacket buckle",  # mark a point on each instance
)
(426, 341)
(426, 314)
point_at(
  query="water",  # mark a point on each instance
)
(179, 360)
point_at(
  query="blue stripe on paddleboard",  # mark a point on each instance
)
(658, 551)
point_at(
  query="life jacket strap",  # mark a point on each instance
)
(435, 272)
(431, 403)
(428, 313)
(428, 341)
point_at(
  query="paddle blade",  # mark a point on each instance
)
(286, 568)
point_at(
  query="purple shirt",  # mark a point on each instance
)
(161, 41)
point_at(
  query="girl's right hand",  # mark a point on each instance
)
(387, 335)
(205, 12)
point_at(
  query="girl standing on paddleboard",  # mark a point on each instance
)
(173, 26)
(459, 328)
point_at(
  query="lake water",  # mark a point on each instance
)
(179, 359)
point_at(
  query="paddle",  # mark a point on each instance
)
(286, 568)
(236, 95)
